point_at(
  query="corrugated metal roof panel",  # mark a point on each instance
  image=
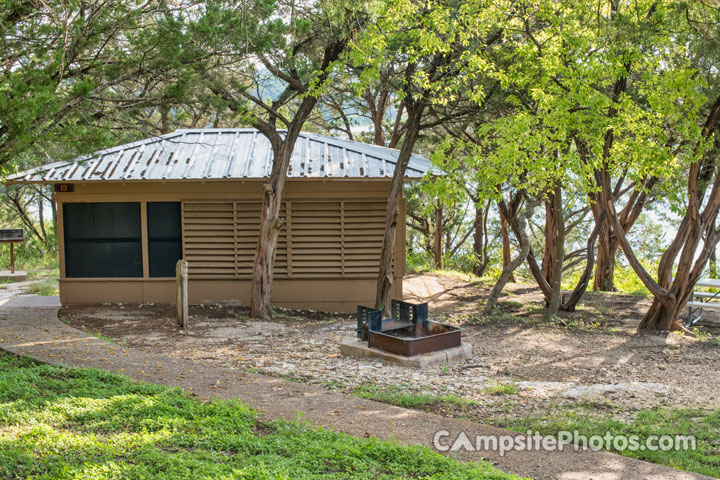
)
(212, 154)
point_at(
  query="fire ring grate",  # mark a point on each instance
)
(408, 332)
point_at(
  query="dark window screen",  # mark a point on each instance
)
(164, 237)
(102, 239)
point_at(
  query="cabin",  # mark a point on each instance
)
(127, 214)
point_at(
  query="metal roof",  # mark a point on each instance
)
(217, 154)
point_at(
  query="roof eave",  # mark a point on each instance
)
(9, 181)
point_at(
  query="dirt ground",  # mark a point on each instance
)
(590, 357)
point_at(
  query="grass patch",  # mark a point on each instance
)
(45, 289)
(588, 418)
(61, 423)
(706, 337)
(53, 272)
(501, 389)
(533, 317)
(704, 424)
(401, 397)
(333, 384)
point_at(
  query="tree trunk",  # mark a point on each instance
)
(524, 242)
(437, 238)
(713, 271)
(16, 201)
(164, 119)
(660, 317)
(605, 265)
(551, 239)
(385, 273)
(270, 226)
(672, 292)
(584, 280)
(558, 254)
(480, 239)
(535, 269)
(270, 221)
(506, 245)
(41, 216)
(54, 211)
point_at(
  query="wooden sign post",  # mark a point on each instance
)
(181, 275)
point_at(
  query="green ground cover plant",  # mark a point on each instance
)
(402, 397)
(60, 423)
(45, 289)
(703, 424)
(587, 419)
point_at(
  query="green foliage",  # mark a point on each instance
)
(58, 422)
(418, 261)
(705, 336)
(437, 45)
(406, 397)
(559, 77)
(501, 389)
(47, 288)
(31, 254)
(704, 424)
(626, 281)
(80, 76)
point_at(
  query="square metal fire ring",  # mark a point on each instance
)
(354, 347)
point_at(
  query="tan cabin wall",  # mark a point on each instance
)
(333, 293)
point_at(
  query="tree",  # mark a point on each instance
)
(77, 76)
(437, 49)
(347, 104)
(285, 53)
(671, 293)
(523, 217)
(602, 92)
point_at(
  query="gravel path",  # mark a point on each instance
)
(29, 326)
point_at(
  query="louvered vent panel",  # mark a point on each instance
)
(364, 224)
(316, 239)
(247, 216)
(209, 239)
(327, 239)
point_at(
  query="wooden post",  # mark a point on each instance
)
(12, 258)
(181, 275)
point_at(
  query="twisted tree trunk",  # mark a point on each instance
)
(551, 239)
(385, 273)
(282, 148)
(270, 226)
(605, 266)
(480, 239)
(437, 238)
(558, 255)
(584, 279)
(505, 234)
(530, 205)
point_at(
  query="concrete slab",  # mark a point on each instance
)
(32, 301)
(355, 348)
(16, 276)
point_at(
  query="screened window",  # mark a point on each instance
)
(102, 239)
(164, 237)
